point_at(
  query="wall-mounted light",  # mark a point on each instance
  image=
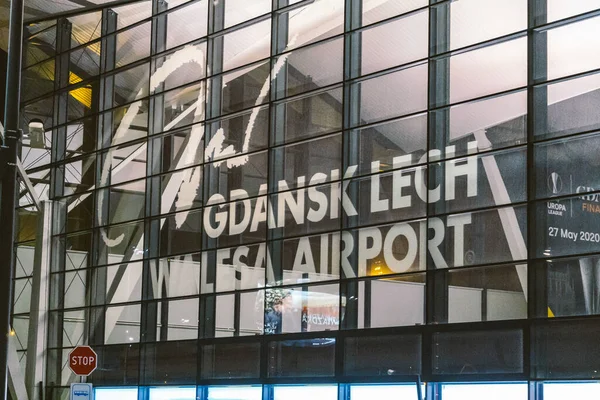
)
(36, 133)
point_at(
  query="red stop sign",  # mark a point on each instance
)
(83, 360)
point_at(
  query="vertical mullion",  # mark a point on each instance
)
(537, 106)
(216, 15)
(438, 126)
(349, 289)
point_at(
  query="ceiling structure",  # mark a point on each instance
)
(36, 9)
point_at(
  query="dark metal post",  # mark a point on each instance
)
(9, 182)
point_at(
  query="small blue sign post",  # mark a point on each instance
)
(82, 391)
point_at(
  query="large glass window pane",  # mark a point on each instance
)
(377, 10)
(317, 156)
(567, 107)
(181, 190)
(230, 361)
(474, 21)
(85, 28)
(303, 260)
(567, 166)
(578, 390)
(114, 393)
(38, 80)
(187, 23)
(386, 141)
(243, 88)
(488, 70)
(181, 319)
(84, 62)
(232, 224)
(181, 233)
(572, 286)
(170, 393)
(392, 95)
(302, 309)
(314, 21)
(238, 268)
(501, 289)
(118, 365)
(571, 48)
(556, 355)
(309, 115)
(133, 44)
(315, 392)
(516, 391)
(494, 179)
(235, 392)
(368, 392)
(132, 13)
(122, 324)
(40, 42)
(394, 43)
(568, 226)
(559, 9)
(380, 300)
(476, 238)
(479, 352)
(310, 68)
(495, 122)
(245, 131)
(371, 355)
(238, 11)
(246, 45)
(131, 84)
(187, 72)
(382, 198)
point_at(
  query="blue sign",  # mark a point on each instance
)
(82, 391)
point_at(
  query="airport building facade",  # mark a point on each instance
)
(275, 199)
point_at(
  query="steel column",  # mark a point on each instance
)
(38, 315)
(9, 152)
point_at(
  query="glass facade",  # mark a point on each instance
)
(322, 191)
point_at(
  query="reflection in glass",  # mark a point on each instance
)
(302, 309)
(238, 11)
(474, 21)
(395, 301)
(376, 10)
(567, 107)
(236, 45)
(392, 95)
(573, 286)
(488, 70)
(122, 324)
(192, 17)
(394, 43)
(502, 289)
(309, 116)
(571, 48)
(305, 69)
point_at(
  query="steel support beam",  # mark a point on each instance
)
(16, 380)
(9, 152)
(38, 314)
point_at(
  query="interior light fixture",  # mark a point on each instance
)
(36, 133)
